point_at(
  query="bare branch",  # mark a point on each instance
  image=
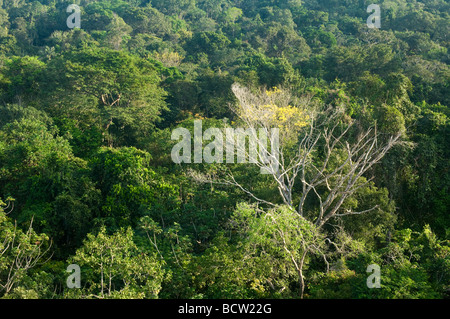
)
(349, 212)
(325, 157)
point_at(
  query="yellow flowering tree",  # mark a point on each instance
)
(303, 133)
(272, 108)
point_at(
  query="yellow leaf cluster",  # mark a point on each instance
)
(273, 91)
(169, 59)
(272, 110)
(285, 118)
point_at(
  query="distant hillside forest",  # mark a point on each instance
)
(93, 204)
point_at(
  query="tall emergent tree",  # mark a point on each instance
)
(119, 92)
(322, 150)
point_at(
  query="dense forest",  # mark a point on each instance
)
(87, 178)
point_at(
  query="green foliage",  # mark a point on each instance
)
(115, 268)
(86, 117)
(270, 71)
(413, 266)
(262, 260)
(119, 92)
(20, 251)
(22, 79)
(130, 188)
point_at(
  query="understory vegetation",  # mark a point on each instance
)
(87, 177)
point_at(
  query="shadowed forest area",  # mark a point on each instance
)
(87, 175)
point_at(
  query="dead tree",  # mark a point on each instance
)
(328, 133)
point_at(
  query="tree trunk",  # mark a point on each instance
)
(301, 283)
(101, 278)
(300, 273)
(105, 133)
